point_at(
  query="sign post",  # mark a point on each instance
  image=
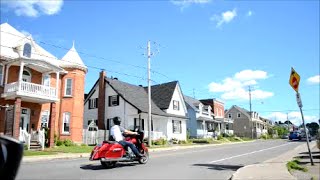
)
(294, 83)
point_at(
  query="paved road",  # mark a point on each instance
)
(217, 162)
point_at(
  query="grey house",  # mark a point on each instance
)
(244, 125)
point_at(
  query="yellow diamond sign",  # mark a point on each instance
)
(294, 80)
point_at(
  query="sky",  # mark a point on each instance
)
(215, 49)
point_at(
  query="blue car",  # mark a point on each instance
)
(295, 135)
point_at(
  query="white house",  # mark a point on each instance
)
(130, 103)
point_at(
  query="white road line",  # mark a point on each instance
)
(248, 153)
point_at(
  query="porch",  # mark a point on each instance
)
(31, 80)
(30, 92)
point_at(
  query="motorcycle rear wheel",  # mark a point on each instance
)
(145, 159)
(108, 164)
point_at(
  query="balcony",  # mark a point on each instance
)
(30, 92)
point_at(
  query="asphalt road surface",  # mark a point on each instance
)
(217, 162)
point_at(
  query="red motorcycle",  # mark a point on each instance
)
(111, 152)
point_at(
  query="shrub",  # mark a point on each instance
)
(68, 142)
(182, 142)
(204, 141)
(220, 137)
(25, 147)
(59, 142)
(160, 141)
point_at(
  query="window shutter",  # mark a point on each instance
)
(173, 126)
(96, 105)
(108, 124)
(134, 123)
(151, 124)
(109, 101)
(118, 100)
(180, 126)
(142, 120)
(89, 106)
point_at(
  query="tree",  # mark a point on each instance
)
(313, 128)
(281, 130)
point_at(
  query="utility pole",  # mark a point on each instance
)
(194, 95)
(250, 113)
(288, 122)
(149, 96)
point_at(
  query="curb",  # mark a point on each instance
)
(274, 168)
(27, 159)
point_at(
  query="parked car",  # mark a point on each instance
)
(285, 136)
(295, 135)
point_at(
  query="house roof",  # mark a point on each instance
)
(135, 95)
(12, 44)
(161, 94)
(193, 103)
(13, 39)
(72, 59)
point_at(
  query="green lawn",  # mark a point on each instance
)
(59, 149)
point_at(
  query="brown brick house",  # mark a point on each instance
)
(39, 90)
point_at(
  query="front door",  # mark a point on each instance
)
(25, 119)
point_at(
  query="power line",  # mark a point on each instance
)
(89, 55)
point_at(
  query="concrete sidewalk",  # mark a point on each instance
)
(86, 155)
(273, 168)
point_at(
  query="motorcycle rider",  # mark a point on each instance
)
(116, 132)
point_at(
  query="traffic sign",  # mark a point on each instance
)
(294, 80)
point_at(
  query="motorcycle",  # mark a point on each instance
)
(110, 152)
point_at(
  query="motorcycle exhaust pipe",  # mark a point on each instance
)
(115, 159)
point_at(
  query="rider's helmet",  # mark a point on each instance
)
(116, 120)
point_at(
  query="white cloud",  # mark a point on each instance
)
(236, 87)
(314, 79)
(251, 75)
(186, 3)
(249, 13)
(34, 8)
(224, 18)
(294, 117)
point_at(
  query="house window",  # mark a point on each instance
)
(46, 80)
(209, 126)
(26, 76)
(176, 126)
(68, 87)
(66, 122)
(229, 115)
(175, 105)
(114, 100)
(44, 118)
(139, 124)
(93, 126)
(1, 74)
(239, 115)
(93, 103)
(27, 50)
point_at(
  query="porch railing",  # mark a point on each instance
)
(31, 89)
(41, 138)
(25, 137)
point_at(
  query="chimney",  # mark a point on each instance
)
(101, 100)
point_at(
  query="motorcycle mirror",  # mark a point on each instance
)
(11, 152)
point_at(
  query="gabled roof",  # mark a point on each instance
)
(161, 94)
(135, 95)
(244, 111)
(193, 103)
(13, 39)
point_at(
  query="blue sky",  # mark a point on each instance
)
(215, 49)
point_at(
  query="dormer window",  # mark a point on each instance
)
(27, 50)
